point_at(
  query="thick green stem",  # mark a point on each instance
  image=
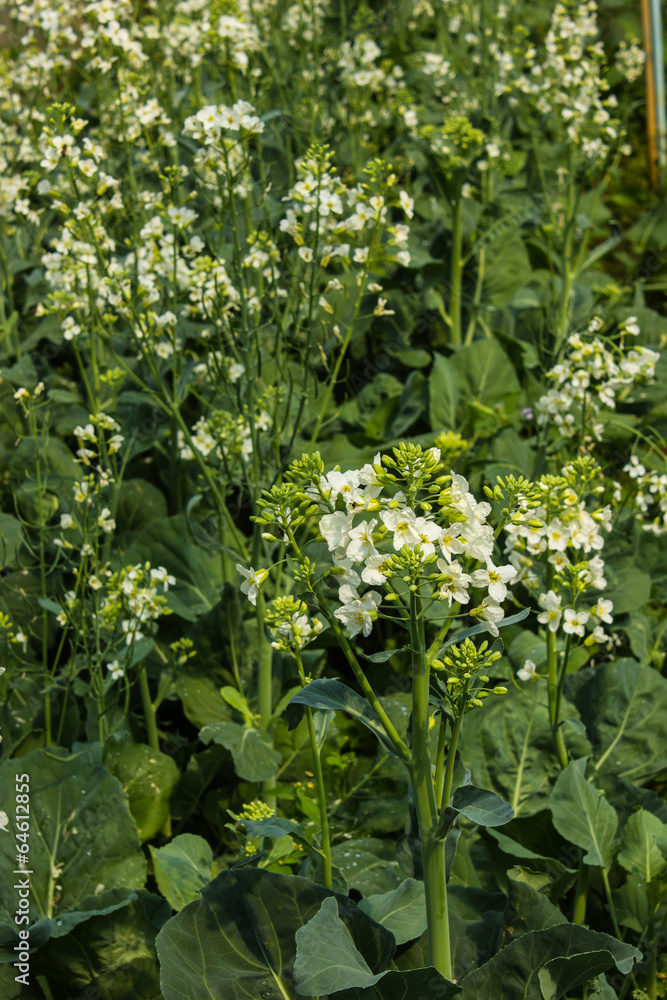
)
(581, 894)
(421, 773)
(437, 914)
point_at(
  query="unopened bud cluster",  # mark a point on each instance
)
(465, 667)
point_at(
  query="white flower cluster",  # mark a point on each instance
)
(238, 38)
(649, 497)
(326, 216)
(91, 435)
(564, 540)
(591, 376)
(134, 597)
(221, 434)
(211, 123)
(362, 551)
(567, 83)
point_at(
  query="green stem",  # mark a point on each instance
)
(652, 974)
(610, 902)
(151, 728)
(346, 344)
(440, 762)
(265, 686)
(149, 712)
(432, 849)
(319, 781)
(451, 753)
(552, 682)
(456, 273)
(581, 894)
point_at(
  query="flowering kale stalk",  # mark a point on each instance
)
(403, 539)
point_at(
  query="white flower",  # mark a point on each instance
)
(181, 216)
(575, 621)
(490, 613)
(22, 640)
(361, 545)
(406, 203)
(603, 610)
(403, 523)
(495, 578)
(455, 583)
(372, 571)
(429, 532)
(335, 529)
(115, 670)
(253, 581)
(527, 672)
(105, 521)
(66, 521)
(552, 614)
(450, 543)
(479, 540)
(359, 615)
(4, 820)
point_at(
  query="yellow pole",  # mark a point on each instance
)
(651, 130)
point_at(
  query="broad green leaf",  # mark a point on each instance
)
(414, 984)
(113, 954)
(11, 540)
(643, 843)
(254, 756)
(148, 777)
(200, 695)
(403, 911)
(481, 806)
(630, 589)
(558, 876)
(567, 955)
(182, 867)
(512, 752)
(327, 959)
(566, 973)
(234, 698)
(237, 942)
(485, 372)
(165, 542)
(333, 695)
(139, 503)
(624, 707)
(82, 839)
(506, 267)
(368, 864)
(443, 391)
(582, 814)
(273, 827)
(528, 909)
